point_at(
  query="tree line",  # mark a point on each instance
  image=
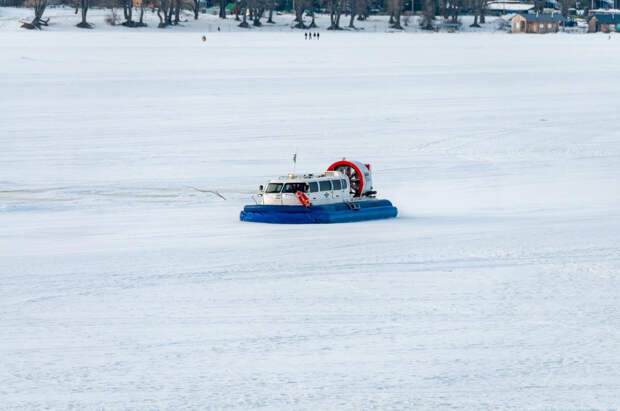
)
(257, 12)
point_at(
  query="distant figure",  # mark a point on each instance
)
(218, 28)
(306, 36)
(309, 36)
(204, 38)
(314, 34)
(317, 35)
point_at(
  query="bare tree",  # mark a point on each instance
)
(170, 12)
(178, 4)
(245, 10)
(362, 9)
(162, 13)
(442, 8)
(141, 23)
(484, 4)
(300, 7)
(84, 24)
(312, 5)
(196, 6)
(451, 9)
(39, 7)
(312, 22)
(353, 6)
(237, 11)
(257, 9)
(396, 8)
(475, 6)
(335, 11)
(271, 5)
(428, 14)
(479, 7)
(127, 13)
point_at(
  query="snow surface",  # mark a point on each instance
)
(121, 286)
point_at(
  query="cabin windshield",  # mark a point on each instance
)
(295, 187)
(274, 188)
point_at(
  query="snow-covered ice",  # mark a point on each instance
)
(123, 287)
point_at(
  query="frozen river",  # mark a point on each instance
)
(121, 286)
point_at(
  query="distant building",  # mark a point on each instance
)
(536, 23)
(516, 6)
(508, 6)
(604, 22)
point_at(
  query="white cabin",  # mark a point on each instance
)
(326, 188)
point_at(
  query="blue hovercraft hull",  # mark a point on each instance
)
(322, 214)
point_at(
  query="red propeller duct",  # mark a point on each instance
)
(355, 171)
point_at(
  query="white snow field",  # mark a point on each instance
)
(122, 287)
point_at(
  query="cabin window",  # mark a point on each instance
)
(295, 187)
(314, 187)
(337, 185)
(274, 188)
(344, 184)
(325, 185)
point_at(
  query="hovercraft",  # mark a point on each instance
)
(343, 193)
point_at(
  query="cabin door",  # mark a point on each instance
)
(337, 190)
(325, 192)
(313, 193)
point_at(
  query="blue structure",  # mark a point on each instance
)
(320, 214)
